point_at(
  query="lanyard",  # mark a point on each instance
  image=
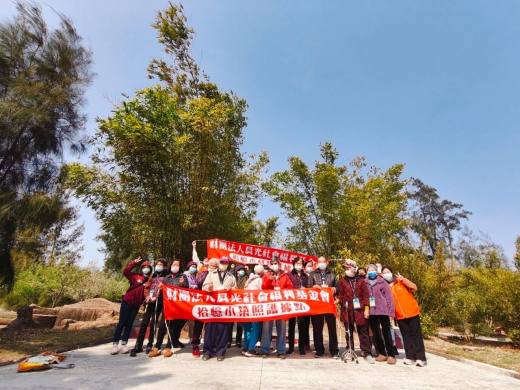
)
(353, 287)
(323, 277)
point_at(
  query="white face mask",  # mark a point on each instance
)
(388, 276)
(309, 270)
(146, 271)
(350, 273)
(223, 267)
(322, 266)
(174, 269)
(159, 268)
(241, 272)
(298, 267)
(275, 267)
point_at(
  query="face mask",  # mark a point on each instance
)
(146, 271)
(372, 275)
(309, 269)
(159, 268)
(388, 276)
(241, 272)
(193, 270)
(174, 269)
(350, 273)
(298, 267)
(322, 266)
(275, 268)
(222, 267)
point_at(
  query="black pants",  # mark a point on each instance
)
(364, 338)
(317, 332)
(303, 332)
(412, 338)
(127, 315)
(381, 335)
(216, 338)
(148, 318)
(238, 335)
(174, 328)
(197, 332)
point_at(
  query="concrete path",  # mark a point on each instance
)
(96, 369)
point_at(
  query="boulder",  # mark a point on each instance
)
(96, 309)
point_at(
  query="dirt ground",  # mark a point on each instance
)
(15, 345)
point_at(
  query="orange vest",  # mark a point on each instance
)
(406, 305)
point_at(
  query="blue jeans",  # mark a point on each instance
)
(127, 315)
(251, 332)
(267, 332)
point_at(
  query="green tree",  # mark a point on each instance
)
(168, 167)
(516, 258)
(336, 208)
(434, 219)
(43, 74)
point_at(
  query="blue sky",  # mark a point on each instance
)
(432, 84)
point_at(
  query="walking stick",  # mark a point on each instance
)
(350, 353)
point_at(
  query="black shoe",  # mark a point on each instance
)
(178, 344)
(318, 355)
(335, 355)
(220, 358)
(148, 349)
(206, 357)
(290, 351)
(239, 345)
(302, 353)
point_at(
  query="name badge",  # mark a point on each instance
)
(356, 303)
(372, 302)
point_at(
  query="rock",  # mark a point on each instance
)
(23, 318)
(87, 311)
(44, 320)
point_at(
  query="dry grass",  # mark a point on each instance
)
(505, 357)
(15, 345)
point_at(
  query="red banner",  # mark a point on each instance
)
(245, 305)
(253, 254)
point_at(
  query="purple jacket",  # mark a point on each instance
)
(383, 295)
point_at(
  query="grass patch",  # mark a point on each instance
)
(505, 357)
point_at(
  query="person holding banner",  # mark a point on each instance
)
(353, 295)
(324, 277)
(217, 333)
(195, 280)
(153, 309)
(241, 277)
(274, 279)
(299, 279)
(172, 327)
(252, 330)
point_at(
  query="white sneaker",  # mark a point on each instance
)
(420, 363)
(249, 354)
(369, 359)
(124, 349)
(115, 349)
(409, 362)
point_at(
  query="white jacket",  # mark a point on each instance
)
(212, 282)
(254, 282)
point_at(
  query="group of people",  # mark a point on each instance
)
(370, 298)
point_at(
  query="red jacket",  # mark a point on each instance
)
(347, 290)
(281, 281)
(135, 293)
